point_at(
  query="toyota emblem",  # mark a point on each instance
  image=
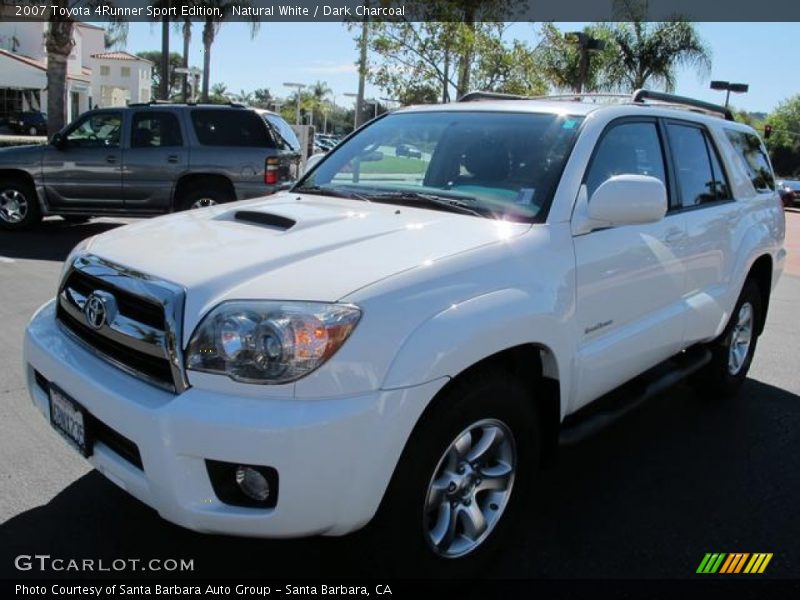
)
(97, 309)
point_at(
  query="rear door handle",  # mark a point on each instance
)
(111, 158)
(173, 158)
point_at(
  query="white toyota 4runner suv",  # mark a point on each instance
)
(402, 340)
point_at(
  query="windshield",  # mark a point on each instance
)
(498, 164)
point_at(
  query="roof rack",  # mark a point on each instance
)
(170, 103)
(639, 96)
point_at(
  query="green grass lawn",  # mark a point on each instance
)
(395, 165)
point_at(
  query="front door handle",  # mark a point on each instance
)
(173, 158)
(111, 159)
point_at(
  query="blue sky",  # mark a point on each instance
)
(761, 54)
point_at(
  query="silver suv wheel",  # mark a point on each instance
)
(470, 488)
(13, 206)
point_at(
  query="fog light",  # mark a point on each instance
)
(252, 483)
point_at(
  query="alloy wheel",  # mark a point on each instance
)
(470, 488)
(741, 338)
(13, 206)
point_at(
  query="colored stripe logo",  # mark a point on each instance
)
(734, 562)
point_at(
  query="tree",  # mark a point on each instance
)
(319, 98)
(58, 44)
(784, 143)
(650, 52)
(262, 98)
(219, 11)
(451, 57)
(175, 61)
(219, 94)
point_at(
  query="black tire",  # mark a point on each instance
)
(19, 206)
(75, 219)
(723, 376)
(404, 528)
(201, 196)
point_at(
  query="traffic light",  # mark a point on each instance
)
(767, 131)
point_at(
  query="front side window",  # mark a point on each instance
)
(491, 164)
(754, 159)
(99, 130)
(155, 130)
(700, 181)
(632, 148)
(230, 127)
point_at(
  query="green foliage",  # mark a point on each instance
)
(446, 58)
(784, 143)
(175, 79)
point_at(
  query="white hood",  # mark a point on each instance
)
(335, 247)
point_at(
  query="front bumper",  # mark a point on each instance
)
(334, 457)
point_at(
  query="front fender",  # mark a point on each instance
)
(466, 333)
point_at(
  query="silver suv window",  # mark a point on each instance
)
(230, 127)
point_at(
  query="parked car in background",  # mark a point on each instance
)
(408, 150)
(148, 159)
(28, 123)
(789, 190)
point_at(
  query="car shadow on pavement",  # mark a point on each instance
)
(645, 497)
(51, 240)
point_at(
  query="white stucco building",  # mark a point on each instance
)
(95, 77)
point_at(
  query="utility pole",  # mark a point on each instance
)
(362, 73)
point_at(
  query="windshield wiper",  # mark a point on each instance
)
(461, 204)
(328, 191)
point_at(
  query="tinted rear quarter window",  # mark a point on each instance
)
(754, 159)
(228, 127)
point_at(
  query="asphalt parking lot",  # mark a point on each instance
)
(645, 498)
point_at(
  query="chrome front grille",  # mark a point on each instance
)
(128, 318)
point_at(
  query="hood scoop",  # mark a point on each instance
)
(264, 218)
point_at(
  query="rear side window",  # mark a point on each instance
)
(155, 130)
(754, 159)
(228, 127)
(627, 149)
(284, 134)
(700, 177)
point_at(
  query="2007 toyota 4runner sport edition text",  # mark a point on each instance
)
(401, 341)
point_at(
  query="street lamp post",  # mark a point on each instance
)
(298, 87)
(587, 45)
(357, 109)
(728, 87)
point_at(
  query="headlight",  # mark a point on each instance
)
(269, 342)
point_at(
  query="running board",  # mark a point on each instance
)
(614, 405)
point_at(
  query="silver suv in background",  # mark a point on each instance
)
(145, 160)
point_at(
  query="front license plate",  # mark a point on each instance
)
(69, 418)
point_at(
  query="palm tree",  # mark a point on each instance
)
(651, 52)
(319, 94)
(218, 11)
(59, 43)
